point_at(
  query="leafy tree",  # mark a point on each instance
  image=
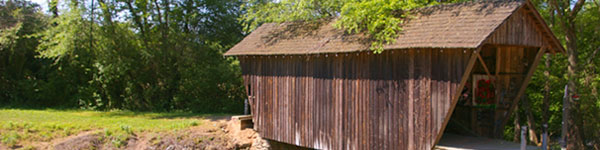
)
(19, 69)
(145, 55)
(198, 32)
(576, 22)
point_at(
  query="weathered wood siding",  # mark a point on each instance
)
(394, 100)
(519, 29)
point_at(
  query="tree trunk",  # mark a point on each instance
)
(546, 102)
(92, 25)
(574, 122)
(54, 8)
(567, 12)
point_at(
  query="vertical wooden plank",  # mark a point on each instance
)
(411, 98)
(434, 86)
(269, 99)
(364, 100)
(281, 98)
(309, 101)
(278, 101)
(428, 100)
(259, 96)
(266, 97)
(394, 126)
(277, 95)
(387, 100)
(402, 100)
(354, 101)
(315, 101)
(305, 99)
(317, 95)
(338, 139)
(289, 96)
(419, 99)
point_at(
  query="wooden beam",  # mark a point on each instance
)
(497, 89)
(456, 95)
(498, 61)
(487, 71)
(511, 45)
(515, 101)
(553, 39)
(552, 50)
(540, 25)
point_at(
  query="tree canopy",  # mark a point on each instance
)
(144, 55)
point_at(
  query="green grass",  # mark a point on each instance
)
(23, 126)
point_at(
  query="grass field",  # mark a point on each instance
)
(31, 126)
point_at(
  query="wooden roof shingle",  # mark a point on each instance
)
(460, 25)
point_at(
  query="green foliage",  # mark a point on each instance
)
(10, 138)
(148, 60)
(21, 74)
(264, 11)
(381, 19)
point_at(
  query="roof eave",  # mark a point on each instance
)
(553, 38)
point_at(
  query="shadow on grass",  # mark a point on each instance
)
(127, 113)
(170, 115)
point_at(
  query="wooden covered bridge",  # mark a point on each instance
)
(314, 86)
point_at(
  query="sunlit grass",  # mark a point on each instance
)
(22, 126)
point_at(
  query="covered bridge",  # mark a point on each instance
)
(315, 86)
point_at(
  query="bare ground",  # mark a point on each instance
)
(220, 133)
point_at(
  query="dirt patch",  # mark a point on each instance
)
(194, 138)
(85, 140)
(214, 134)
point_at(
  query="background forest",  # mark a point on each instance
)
(166, 55)
(134, 55)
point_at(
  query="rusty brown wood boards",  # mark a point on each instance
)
(518, 30)
(394, 100)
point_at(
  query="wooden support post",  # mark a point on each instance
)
(523, 138)
(498, 112)
(551, 50)
(530, 121)
(487, 71)
(498, 61)
(534, 64)
(463, 81)
(545, 137)
(246, 110)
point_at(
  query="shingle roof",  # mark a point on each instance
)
(461, 25)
